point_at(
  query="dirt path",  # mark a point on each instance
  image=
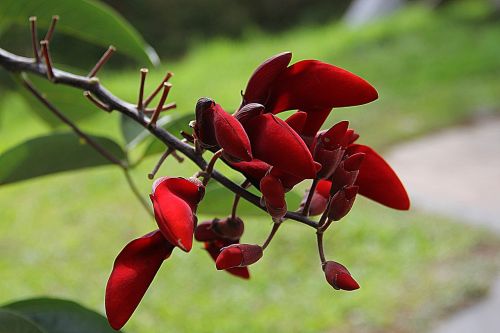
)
(457, 173)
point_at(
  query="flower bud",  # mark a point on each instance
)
(238, 255)
(342, 202)
(339, 277)
(274, 196)
(347, 172)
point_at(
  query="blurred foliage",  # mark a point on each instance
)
(172, 25)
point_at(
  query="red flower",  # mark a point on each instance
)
(174, 202)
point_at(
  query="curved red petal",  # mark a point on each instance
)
(258, 85)
(297, 121)
(253, 170)
(377, 180)
(314, 121)
(174, 200)
(274, 195)
(229, 257)
(133, 271)
(323, 188)
(276, 143)
(230, 135)
(312, 84)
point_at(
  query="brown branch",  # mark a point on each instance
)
(152, 174)
(157, 89)
(101, 150)
(96, 102)
(305, 210)
(14, 63)
(140, 100)
(156, 113)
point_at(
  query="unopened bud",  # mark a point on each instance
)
(238, 255)
(342, 202)
(339, 277)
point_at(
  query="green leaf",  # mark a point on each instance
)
(174, 126)
(91, 21)
(67, 99)
(51, 154)
(12, 322)
(61, 316)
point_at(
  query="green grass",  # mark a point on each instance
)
(60, 235)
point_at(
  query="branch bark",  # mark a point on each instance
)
(14, 63)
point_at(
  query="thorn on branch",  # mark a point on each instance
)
(50, 32)
(156, 113)
(179, 158)
(97, 102)
(140, 103)
(104, 59)
(157, 90)
(48, 61)
(34, 39)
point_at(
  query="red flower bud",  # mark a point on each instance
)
(332, 138)
(174, 202)
(297, 121)
(238, 255)
(226, 229)
(213, 249)
(274, 196)
(204, 232)
(347, 172)
(342, 202)
(339, 277)
(214, 127)
(319, 199)
(249, 111)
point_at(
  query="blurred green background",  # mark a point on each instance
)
(434, 64)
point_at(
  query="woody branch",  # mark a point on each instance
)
(16, 64)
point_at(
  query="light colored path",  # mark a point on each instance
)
(457, 173)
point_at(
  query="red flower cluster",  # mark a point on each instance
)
(274, 155)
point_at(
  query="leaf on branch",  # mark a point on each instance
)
(51, 154)
(59, 316)
(15, 322)
(90, 21)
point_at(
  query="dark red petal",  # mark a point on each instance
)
(133, 272)
(312, 84)
(297, 121)
(190, 190)
(274, 195)
(318, 203)
(287, 180)
(229, 257)
(229, 228)
(248, 111)
(314, 121)
(230, 135)
(339, 277)
(377, 180)
(334, 136)
(204, 124)
(213, 250)
(258, 85)
(276, 143)
(323, 188)
(204, 232)
(253, 170)
(342, 202)
(346, 282)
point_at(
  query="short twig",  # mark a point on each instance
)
(307, 205)
(97, 102)
(48, 61)
(34, 39)
(166, 107)
(52, 27)
(276, 226)
(104, 59)
(140, 102)
(156, 113)
(157, 89)
(152, 174)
